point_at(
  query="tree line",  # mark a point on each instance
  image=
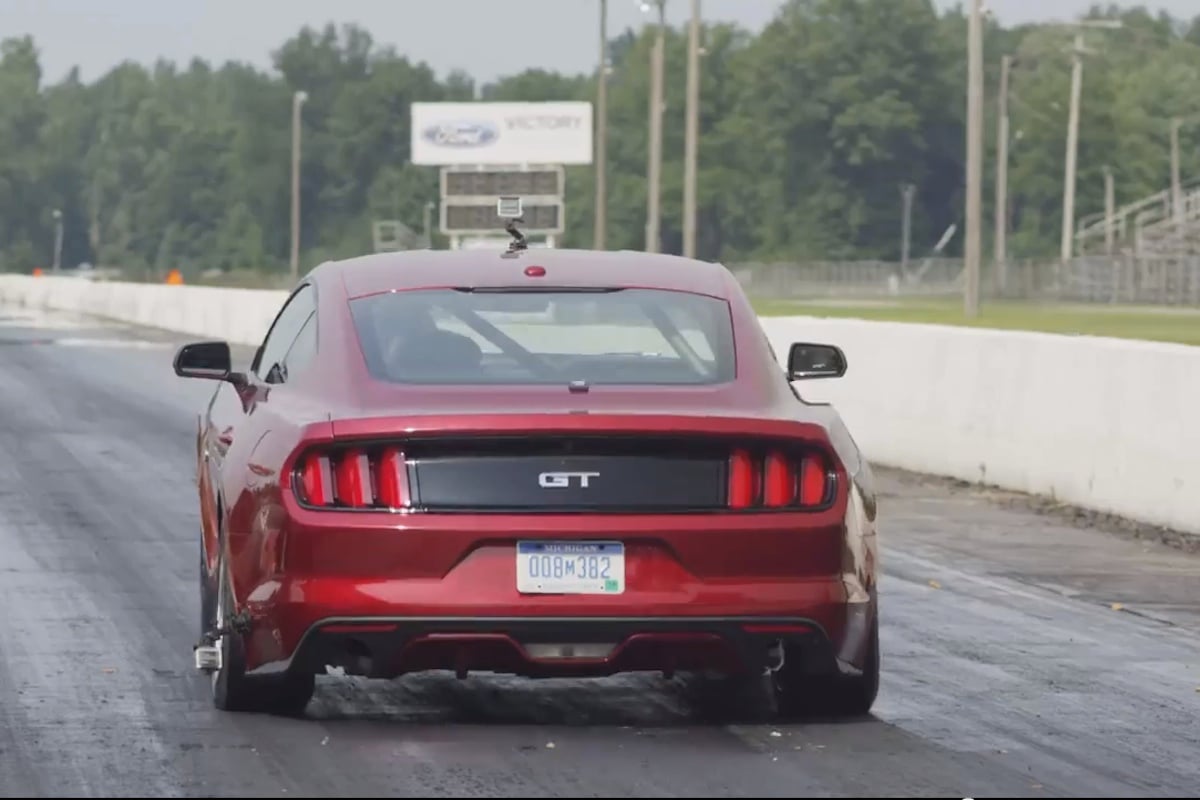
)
(809, 130)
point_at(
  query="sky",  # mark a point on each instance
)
(487, 38)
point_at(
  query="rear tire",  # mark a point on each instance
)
(833, 695)
(289, 694)
(742, 699)
(230, 688)
(233, 690)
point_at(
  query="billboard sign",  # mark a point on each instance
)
(501, 134)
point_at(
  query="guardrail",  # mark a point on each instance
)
(1105, 424)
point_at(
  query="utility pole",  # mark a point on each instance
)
(1176, 186)
(692, 135)
(1001, 238)
(972, 246)
(1110, 211)
(1078, 51)
(298, 100)
(654, 170)
(58, 239)
(906, 226)
(601, 214)
(1068, 220)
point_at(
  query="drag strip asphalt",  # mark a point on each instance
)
(1023, 656)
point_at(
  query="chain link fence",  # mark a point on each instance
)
(1152, 280)
(1137, 280)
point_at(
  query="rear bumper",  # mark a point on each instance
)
(386, 647)
(440, 592)
(288, 615)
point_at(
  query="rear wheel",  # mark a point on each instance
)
(794, 692)
(746, 699)
(232, 689)
(838, 695)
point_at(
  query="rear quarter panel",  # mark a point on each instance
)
(860, 558)
(254, 481)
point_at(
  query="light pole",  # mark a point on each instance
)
(1078, 51)
(972, 246)
(427, 221)
(906, 194)
(691, 134)
(298, 100)
(1068, 220)
(1110, 211)
(58, 239)
(1001, 240)
(1176, 184)
(601, 214)
(654, 156)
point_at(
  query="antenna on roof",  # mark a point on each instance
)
(508, 207)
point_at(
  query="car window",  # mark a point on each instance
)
(284, 331)
(304, 349)
(613, 336)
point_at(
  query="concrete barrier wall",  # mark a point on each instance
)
(240, 316)
(1106, 424)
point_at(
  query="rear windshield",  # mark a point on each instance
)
(626, 336)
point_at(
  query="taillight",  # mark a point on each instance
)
(778, 479)
(354, 478)
(814, 479)
(741, 480)
(392, 480)
(316, 480)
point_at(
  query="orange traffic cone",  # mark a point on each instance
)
(175, 277)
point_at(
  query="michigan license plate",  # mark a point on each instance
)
(570, 567)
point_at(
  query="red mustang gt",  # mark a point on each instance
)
(535, 462)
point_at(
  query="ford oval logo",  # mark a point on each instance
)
(461, 134)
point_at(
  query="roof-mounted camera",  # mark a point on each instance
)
(509, 208)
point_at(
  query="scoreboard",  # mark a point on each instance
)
(493, 183)
(469, 196)
(482, 217)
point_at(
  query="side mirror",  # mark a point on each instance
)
(205, 360)
(808, 361)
